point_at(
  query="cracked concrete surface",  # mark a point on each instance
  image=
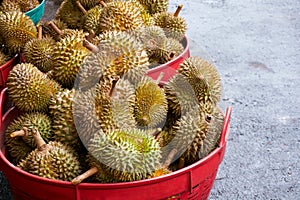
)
(255, 45)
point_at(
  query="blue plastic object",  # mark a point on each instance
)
(37, 13)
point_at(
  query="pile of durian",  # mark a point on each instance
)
(88, 111)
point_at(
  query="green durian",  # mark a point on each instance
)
(27, 5)
(29, 88)
(24, 124)
(92, 20)
(120, 16)
(52, 160)
(150, 106)
(203, 77)
(124, 155)
(16, 29)
(8, 6)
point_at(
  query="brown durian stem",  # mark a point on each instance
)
(81, 8)
(22, 132)
(40, 142)
(40, 32)
(90, 36)
(85, 175)
(178, 10)
(55, 28)
(103, 3)
(170, 158)
(93, 48)
(181, 163)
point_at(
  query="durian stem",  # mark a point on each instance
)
(85, 175)
(103, 3)
(90, 36)
(81, 8)
(55, 28)
(40, 142)
(181, 163)
(40, 32)
(170, 158)
(178, 10)
(156, 132)
(93, 48)
(22, 132)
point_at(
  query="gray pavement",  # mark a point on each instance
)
(255, 45)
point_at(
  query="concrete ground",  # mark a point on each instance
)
(255, 44)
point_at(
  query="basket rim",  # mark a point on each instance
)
(36, 8)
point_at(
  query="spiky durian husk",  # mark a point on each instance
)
(68, 55)
(69, 13)
(3, 58)
(204, 78)
(29, 121)
(61, 110)
(124, 53)
(126, 155)
(27, 4)
(152, 37)
(160, 172)
(39, 52)
(48, 31)
(88, 4)
(155, 6)
(56, 161)
(30, 89)
(150, 106)
(16, 29)
(175, 27)
(212, 137)
(120, 16)
(92, 20)
(167, 51)
(8, 5)
(17, 148)
(84, 114)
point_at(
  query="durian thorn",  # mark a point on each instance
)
(22, 132)
(181, 163)
(93, 48)
(40, 142)
(85, 175)
(81, 8)
(40, 32)
(103, 3)
(170, 158)
(55, 28)
(160, 76)
(179, 7)
(90, 36)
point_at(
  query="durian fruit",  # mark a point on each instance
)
(155, 6)
(39, 52)
(124, 54)
(147, 17)
(124, 155)
(203, 77)
(24, 125)
(16, 29)
(52, 160)
(121, 16)
(160, 172)
(61, 111)
(150, 106)
(3, 58)
(92, 20)
(69, 13)
(173, 25)
(168, 50)
(8, 5)
(29, 88)
(68, 56)
(49, 31)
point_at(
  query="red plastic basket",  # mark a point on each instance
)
(192, 182)
(169, 68)
(5, 69)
